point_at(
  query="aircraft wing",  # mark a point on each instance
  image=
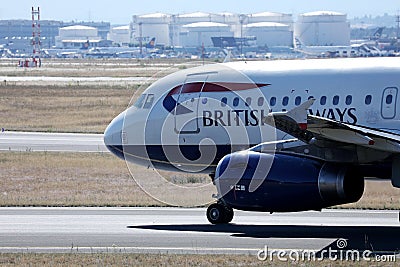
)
(310, 128)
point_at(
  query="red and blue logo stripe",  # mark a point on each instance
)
(170, 103)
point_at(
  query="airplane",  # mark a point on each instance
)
(274, 136)
(322, 50)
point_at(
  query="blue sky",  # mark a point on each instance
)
(121, 11)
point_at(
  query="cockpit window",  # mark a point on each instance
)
(139, 101)
(149, 101)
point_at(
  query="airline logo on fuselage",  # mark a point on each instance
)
(238, 117)
(343, 115)
(247, 117)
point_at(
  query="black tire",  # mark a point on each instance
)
(228, 214)
(217, 214)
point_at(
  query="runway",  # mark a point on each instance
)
(51, 142)
(71, 79)
(179, 230)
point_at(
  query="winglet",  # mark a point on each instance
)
(299, 114)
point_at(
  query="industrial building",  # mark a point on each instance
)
(271, 17)
(16, 35)
(152, 25)
(270, 34)
(77, 36)
(188, 30)
(121, 35)
(196, 29)
(269, 29)
(322, 28)
(201, 32)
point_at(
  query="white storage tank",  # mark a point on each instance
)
(120, 35)
(271, 34)
(270, 17)
(180, 20)
(153, 18)
(188, 18)
(200, 33)
(152, 25)
(77, 31)
(322, 28)
(77, 36)
(228, 18)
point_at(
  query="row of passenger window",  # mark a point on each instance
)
(146, 101)
(297, 101)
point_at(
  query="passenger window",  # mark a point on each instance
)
(260, 101)
(368, 99)
(248, 101)
(389, 99)
(349, 100)
(272, 101)
(224, 101)
(285, 101)
(236, 101)
(323, 100)
(149, 101)
(335, 100)
(139, 101)
(297, 100)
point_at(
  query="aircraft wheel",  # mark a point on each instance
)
(217, 214)
(229, 214)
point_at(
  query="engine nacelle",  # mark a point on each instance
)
(281, 183)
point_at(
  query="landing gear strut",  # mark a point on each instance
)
(219, 213)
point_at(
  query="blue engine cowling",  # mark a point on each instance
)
(281, 183)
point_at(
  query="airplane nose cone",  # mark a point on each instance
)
(113, 136)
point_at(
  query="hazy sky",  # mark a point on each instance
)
(121, 11)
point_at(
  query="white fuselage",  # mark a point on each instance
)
(216, 109)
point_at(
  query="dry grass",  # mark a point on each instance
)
(59, 179)
(100, 179)
(73, 106)
(378, 194)
(81, 179)
(61, 109)
(122, 259)
(94, 67)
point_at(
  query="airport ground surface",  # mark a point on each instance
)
(83, 97)
(180, 230)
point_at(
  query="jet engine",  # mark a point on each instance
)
(284, 183)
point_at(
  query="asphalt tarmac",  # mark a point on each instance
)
(50, 142)
(181, 230)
